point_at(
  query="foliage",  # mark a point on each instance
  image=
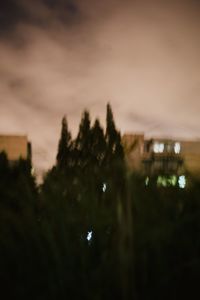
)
(64, 147)
(91, 231)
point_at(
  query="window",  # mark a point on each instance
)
(158, 147)
(177, 148)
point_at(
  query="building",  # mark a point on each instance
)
(15, 147)
(190, 151)
(162, 156)
(167, 159)
(134, 149)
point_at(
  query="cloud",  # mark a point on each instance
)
(56, 59)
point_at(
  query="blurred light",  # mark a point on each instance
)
(167, 180)
(177, 148)
(32, 171)
(147, 181)
(161, 147)
(158, 147)
(182, 181)
(89, 236)
(161, 181)
(104, 187)
(173, 180)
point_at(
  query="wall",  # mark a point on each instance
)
(14, 146)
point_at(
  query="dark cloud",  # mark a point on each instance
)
(35, 12)
(69, 6)
(11, 12)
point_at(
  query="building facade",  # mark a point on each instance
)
(168, 159)
(15, 147)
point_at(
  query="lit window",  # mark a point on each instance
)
(182, 181)
(177, 148)
(161, 147)
(158, 147)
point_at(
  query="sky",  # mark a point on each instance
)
(59, 57)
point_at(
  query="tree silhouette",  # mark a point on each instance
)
(113, 138)
(83, 142)
(114, 159)
(122, 240)
(64, 156)
(98, 144)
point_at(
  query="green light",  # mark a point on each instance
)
(173, 180)
(167, 181)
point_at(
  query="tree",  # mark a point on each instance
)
(64, 156)
(98, 144)
(111, 131)
(114, 158)
(113, 138)
(83, 141)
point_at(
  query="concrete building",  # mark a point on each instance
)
(15, 146)
(190, 151)
(162, 157)
(134, 149)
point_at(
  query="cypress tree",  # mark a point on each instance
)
(113, 139)
(83, 141)
(110, 127)
(98, 144)
(64, 158)
(114, 160)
